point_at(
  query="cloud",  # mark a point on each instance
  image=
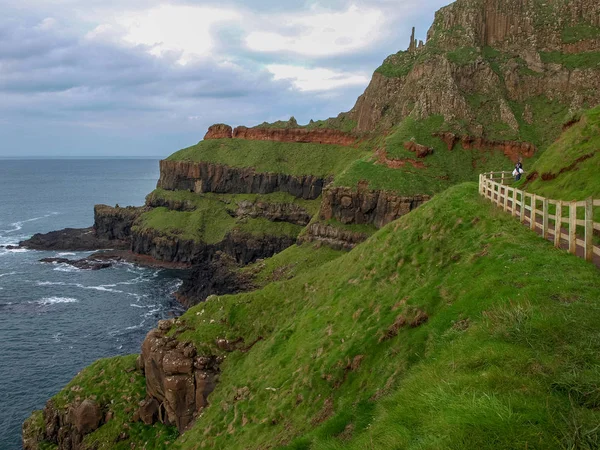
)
(319, 32)
(149, 76)
(316, 79)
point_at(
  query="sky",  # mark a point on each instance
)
(144, 78)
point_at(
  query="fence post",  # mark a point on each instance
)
(545, 218)
(506, 198)
(589, 229)
(499, 198)
(522, 210)
(573, 227)
(532, 215)
(558, 224)
(502, 182)
(514, 202)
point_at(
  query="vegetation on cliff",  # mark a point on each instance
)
(267, 156)
(393, 344)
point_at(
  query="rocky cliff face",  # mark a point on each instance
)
(317, 136)
(207, 177)
(486, 65)
(303, 135)
(334, 237)
(244, 248)
(115, 223)
(350, 206)
(219, 131)
(178, 380)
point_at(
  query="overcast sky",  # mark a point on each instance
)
(147, 77)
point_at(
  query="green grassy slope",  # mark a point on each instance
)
(577, 154)
(443, 168)
(454, 327)
(268, 156)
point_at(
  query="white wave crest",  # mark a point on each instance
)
(16, 226)
(54, 300)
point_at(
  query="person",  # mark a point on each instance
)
(518, 171)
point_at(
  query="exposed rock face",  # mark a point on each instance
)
(207, 177)
(219, 131)
(115, 223)
(218, 276)
(243, 247)
(365, 206)
(506, 51)
(420, 150)
(275, 212)
(178, 381)
(73, 239)
(65, 428)
(317, 136)
(511, 149)
(332, 236)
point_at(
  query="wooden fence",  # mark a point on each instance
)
(493, 186)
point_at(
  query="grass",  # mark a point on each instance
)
(444, 168)
(583, 60)
(289, 263)
(190, 200)
(267, 156)
(208, 218)
(463, 56)
(454, 327)
(576, 33)
(397, 66)
(582, 180)
(509, 361)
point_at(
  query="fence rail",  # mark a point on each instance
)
(549, 220)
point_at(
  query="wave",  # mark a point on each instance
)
(62, 254)
(78, 285)
(66, 268)
(7, 274)
(54, 300)
(16, 226)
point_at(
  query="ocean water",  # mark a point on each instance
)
(55, 319)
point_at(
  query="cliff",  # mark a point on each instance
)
(492, 68)
(202, 177)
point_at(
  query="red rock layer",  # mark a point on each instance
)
(420, 150)
(512, 149)
(219, 131)
(320, 136)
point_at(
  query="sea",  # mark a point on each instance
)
(55, 319)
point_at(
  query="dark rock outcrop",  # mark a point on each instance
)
(65, 427)
(219, 131)
(275, 212)
(207, 177)
(331, 236)
(73, 239)
(244, 248)
(218, 276)
(362, 206)
(318, 136)
(115, 223)
(178, 380)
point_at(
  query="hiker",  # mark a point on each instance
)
(518, 171)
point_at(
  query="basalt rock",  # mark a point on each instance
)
(331, 236)
(115, 223)
(275, 212)
(219, 131)
(217, 276)
(363, 206)
(178, 381)
(508, 53)
(72, 239)
(65, 427)
(244, 248)
(203, 177)
(317, 136)
(511, 149)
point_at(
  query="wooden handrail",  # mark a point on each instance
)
(518, 202)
